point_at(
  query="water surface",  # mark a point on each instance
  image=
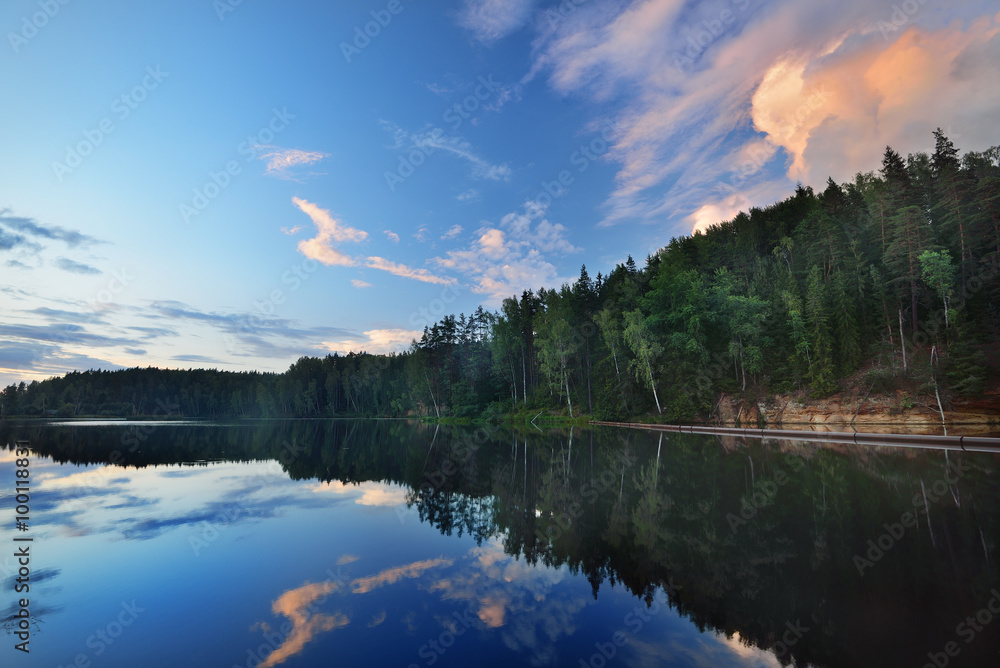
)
(391, 543)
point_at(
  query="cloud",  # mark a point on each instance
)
(371, 493)
(394, 575)
(504, 260)
(834, 115)
(391, 236)
(320, 248)
(481, 168)
(297, 605)
(293, 231)
(360, 284)
(491, 20)
(76, 267)
(376, 341)
(281, 161)
(819, 85)
(33, 228)
(434, 139)
(452, 232)
(404, 271)
(467, 195)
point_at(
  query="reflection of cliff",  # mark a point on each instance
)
(758, 537)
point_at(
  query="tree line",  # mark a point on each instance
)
(888, 281)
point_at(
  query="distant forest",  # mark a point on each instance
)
(889, 281)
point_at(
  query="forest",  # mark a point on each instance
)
(889, 281)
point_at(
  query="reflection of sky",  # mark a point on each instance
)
(226, 561)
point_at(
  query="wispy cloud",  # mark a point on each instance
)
(33, 228)
(293, 231)
(329, 230)
(452, 232)
(75, 267)
(491, 20)
(481, 168)
(391, 236)
(404, 271)
(434, 139)
(282, 161)
(360, 284)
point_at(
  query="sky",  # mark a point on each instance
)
(234, 184)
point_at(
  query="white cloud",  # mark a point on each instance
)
(391, 236)
(320, 247)
(375, 341)
(281, 161)
(507, 259)
(360, 284)
(452, 232)
(434, 139)
(481, 168)
(404, 271)
(491, 20)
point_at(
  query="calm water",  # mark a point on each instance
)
(370, 543)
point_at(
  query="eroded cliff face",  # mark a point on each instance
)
(898, 412)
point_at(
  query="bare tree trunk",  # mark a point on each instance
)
(902, 339)
(652, 384)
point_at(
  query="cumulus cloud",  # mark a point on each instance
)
(491, 20)
(822, 87)
(320, 247)
(282, 161)
(509, 258)
(835, 115)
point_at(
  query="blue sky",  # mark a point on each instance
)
(234, 185)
